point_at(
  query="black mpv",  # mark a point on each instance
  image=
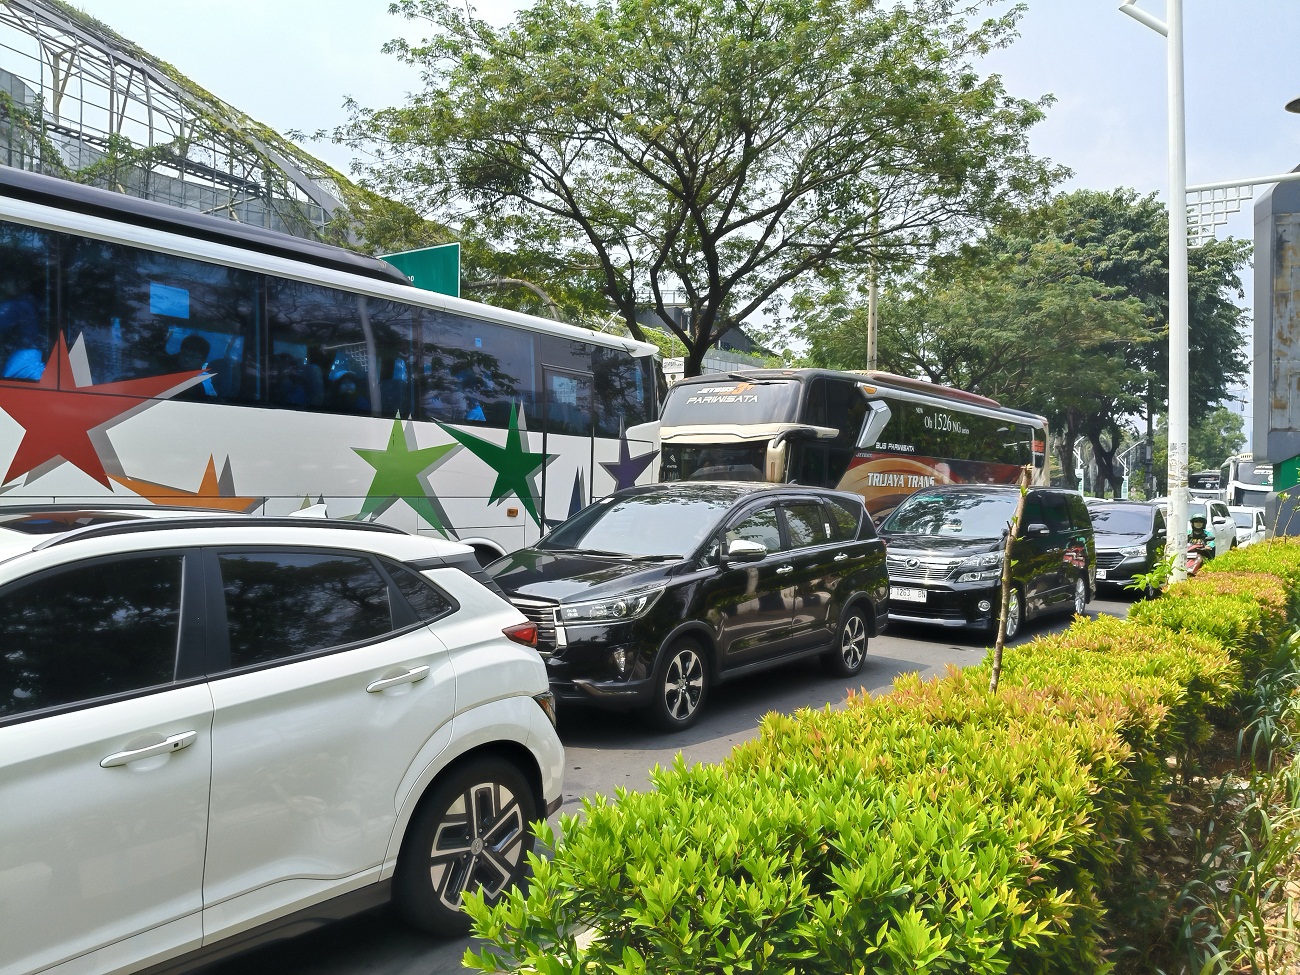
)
(946, 547)
(1131, 540)
(648, 597)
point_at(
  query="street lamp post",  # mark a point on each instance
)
(1172, 29)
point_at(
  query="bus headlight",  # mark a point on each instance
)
(980, 568)
(616, 609)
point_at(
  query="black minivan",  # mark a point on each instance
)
(946, 547)
(648, 597)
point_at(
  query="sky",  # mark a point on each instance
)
(291, 64)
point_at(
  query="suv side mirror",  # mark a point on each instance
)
(742, 550)
(1036, 528)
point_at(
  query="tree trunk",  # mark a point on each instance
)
(692, 363)
(1013, 530)
(1106, 461)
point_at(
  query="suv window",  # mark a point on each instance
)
(758, 526)
(1058, 516)
(289, 603)
(427, 602)
(1079, 515)
(844, 520)
(102, 628)
(806, 523)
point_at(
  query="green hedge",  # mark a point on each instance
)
(939, 829)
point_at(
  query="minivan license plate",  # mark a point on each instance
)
(1101, 574)
(904, 595)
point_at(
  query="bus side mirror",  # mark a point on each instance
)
(873, 424)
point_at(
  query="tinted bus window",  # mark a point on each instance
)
(321, 350)
(473, 371)
(141, 313)
(26, 299)
(934, 431)
(394, 326)
(624, 391)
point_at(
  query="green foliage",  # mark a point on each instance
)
(1155, 580)
(1215, 437)
(700, 150)
(939, 829)
(1061, 309)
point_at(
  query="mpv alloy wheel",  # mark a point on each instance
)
(682, 686)
(471, 834)
(1080, 596)
(1014, 615)
(851, 650)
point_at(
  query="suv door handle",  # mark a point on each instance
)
(785, 569)
(410, 677)
(166, 747)
(841, 557)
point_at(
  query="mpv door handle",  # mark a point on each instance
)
(172, 744)
(785, 569)
(410, 677)
(841, 557)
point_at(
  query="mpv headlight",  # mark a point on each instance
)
(615, 609)
(1133, 551)
(980, 568)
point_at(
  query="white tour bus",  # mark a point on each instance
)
(873, 433)
(152, 354)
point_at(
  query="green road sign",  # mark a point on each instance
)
(431, 268)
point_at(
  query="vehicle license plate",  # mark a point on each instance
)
(1101, 574)
(904, 595)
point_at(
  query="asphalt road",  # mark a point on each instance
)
(605, 751)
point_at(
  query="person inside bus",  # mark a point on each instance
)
(20, 331)
(346, 395)
(192, 356)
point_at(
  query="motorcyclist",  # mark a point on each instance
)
(1200, 540)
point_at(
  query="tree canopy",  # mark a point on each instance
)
(1061, 310)
(706, 153)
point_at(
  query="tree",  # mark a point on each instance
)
(1015, 319)
(1214, 438)
(709, 153)
(1061, 309)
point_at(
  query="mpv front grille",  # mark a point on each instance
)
(904, 568)
(1108, 560)
(543, 614)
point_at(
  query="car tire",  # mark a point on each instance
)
(470, 833)
(845, 659)
(681, 686)
(1080, 604)
(1015, 615)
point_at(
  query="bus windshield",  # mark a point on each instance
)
(732, 401)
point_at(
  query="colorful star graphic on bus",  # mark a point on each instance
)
(398, 471)
(214, 491)
(515, 466)
(63, 411)
(627, 468)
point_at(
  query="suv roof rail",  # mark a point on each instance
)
(170, 524)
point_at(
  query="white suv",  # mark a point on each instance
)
(210, 726)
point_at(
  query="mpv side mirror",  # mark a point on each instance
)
(1036, 528)
(744, 551)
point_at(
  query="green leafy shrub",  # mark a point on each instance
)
(938, 829)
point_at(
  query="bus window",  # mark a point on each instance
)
(141, 313)
(26, 289)
(393, 326)
(473, 371)
(321, 350)
(624, 391)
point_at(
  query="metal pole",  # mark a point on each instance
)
(871, 321)
(1178, 499)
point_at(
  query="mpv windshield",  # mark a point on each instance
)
(650, 524)
(956, 515)
(1120, 520)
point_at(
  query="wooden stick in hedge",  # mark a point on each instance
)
(1025, 473)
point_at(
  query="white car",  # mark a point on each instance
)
(1250, 524)
(215, 727)
(1219, 522)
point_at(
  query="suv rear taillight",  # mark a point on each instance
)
(525, 633)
